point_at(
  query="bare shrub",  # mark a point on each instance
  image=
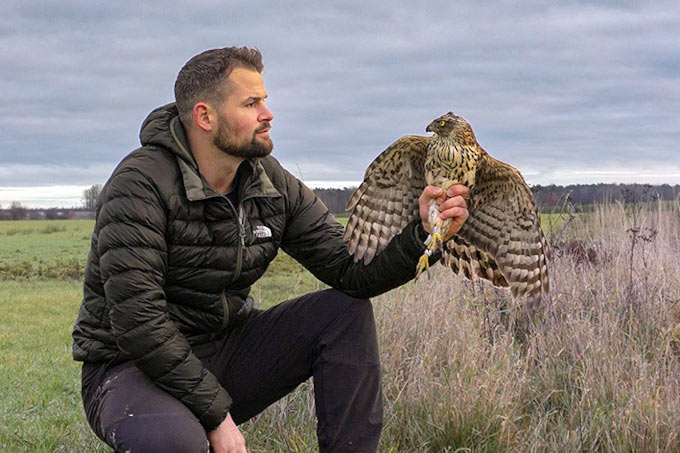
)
(59, 269)
(49, 229)
(22, 231)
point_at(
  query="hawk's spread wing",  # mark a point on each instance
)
(387, 199)
(504, 226)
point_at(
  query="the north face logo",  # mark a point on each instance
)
(262, 231)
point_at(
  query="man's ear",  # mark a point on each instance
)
(203, 116)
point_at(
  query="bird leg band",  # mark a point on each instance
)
(435, 238)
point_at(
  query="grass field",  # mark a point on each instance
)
(600, 372)
(39, 393)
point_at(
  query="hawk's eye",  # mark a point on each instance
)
(442, 124)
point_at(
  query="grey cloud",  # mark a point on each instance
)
(544, 85)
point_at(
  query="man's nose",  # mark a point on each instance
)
(265, 114)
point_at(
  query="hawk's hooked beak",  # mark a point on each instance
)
(430, 127)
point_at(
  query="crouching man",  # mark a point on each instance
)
(175, 356)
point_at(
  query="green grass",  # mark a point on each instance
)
(40, 403)
(52, 249)
(285, 279)
(45, 241)
(342, 218)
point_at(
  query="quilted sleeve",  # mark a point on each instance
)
(315, 239)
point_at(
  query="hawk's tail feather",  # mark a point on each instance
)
(472, 262)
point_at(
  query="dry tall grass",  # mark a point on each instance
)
(600, 371)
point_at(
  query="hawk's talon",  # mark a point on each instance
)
(423, 264)
(437, 241)
(433, 242)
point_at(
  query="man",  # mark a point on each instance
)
(175, 355)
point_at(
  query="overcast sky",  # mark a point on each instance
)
(567, 92)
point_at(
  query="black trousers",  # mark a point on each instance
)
(327, 335)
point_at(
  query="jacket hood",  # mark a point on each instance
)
(163, 128)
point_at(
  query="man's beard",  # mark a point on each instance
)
(256, 148)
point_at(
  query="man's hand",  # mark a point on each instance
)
(226, 438)
(451, 204)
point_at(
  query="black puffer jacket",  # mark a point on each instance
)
(172, 261)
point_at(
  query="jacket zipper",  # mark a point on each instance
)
(241, 243)
(240, 215)
(225, 308)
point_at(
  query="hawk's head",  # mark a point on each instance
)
(453, 127)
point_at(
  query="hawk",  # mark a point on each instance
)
(501, 241)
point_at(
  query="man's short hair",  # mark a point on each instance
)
(200, 80)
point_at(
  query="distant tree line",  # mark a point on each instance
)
(579, 195)
(17, 211)
(584, 195)
(335, 199)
